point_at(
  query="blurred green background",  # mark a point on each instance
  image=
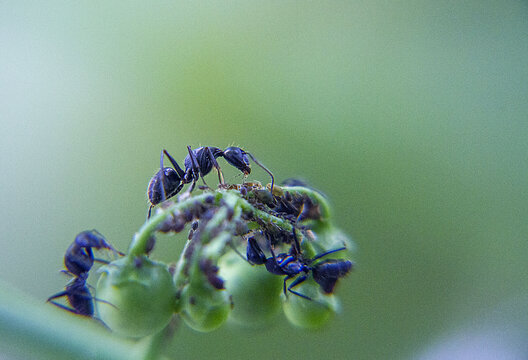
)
(411, 116)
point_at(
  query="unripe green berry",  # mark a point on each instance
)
(255, 291)
(204, 308)
(141, 294)
(310, 314)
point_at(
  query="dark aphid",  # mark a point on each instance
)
(211, 272)
(79, 256)
(292, 265)
(166, 183)
(173, 223)
(264, 197)
(308, 210)
(151, 242)
(296, 208)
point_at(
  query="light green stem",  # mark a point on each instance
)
(31, 330)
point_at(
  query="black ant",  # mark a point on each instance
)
(78, 296)
(79, 256)
(292, 264)
(167, 182)
(78, 261)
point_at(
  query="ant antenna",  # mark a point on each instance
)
(264, 168)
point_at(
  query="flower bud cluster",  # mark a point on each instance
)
(249, 254)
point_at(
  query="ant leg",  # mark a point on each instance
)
(73, 311)
(297, 242)
(149, 211)
(327, 253)
(104, 302)
(195, 168)
(284, 285)
(215, 164)
(67, 273)
(271, 248)
(102, 261)
(296, 282)
(265, 169)
(178, 169)
(57, 295)
(102, 323)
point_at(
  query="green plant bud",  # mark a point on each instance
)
(141, 294)
(309, 314)
(255, 291)
(204, 308)
(329, 238)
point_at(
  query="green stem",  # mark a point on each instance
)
(141, 239)
(155, 344)
(31, 330)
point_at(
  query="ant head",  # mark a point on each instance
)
(89, 239)
(238, 158)
(162, 185)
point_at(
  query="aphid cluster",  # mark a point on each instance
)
(78, 260)
(167, 182)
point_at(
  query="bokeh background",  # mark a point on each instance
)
(411, 116)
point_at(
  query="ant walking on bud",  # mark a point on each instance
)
(167, 182)
(293, 265)
(78, 261)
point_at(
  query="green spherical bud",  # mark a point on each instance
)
(204, 308)
(330, 238)
(309, 314)
(137, 296)
(255, 291)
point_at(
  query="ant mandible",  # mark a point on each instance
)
(292, 264)
(167, 182)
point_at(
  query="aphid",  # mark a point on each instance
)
(296, 208)
(211, 272)
(79, 256)
(293, 265)
(167, 182)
